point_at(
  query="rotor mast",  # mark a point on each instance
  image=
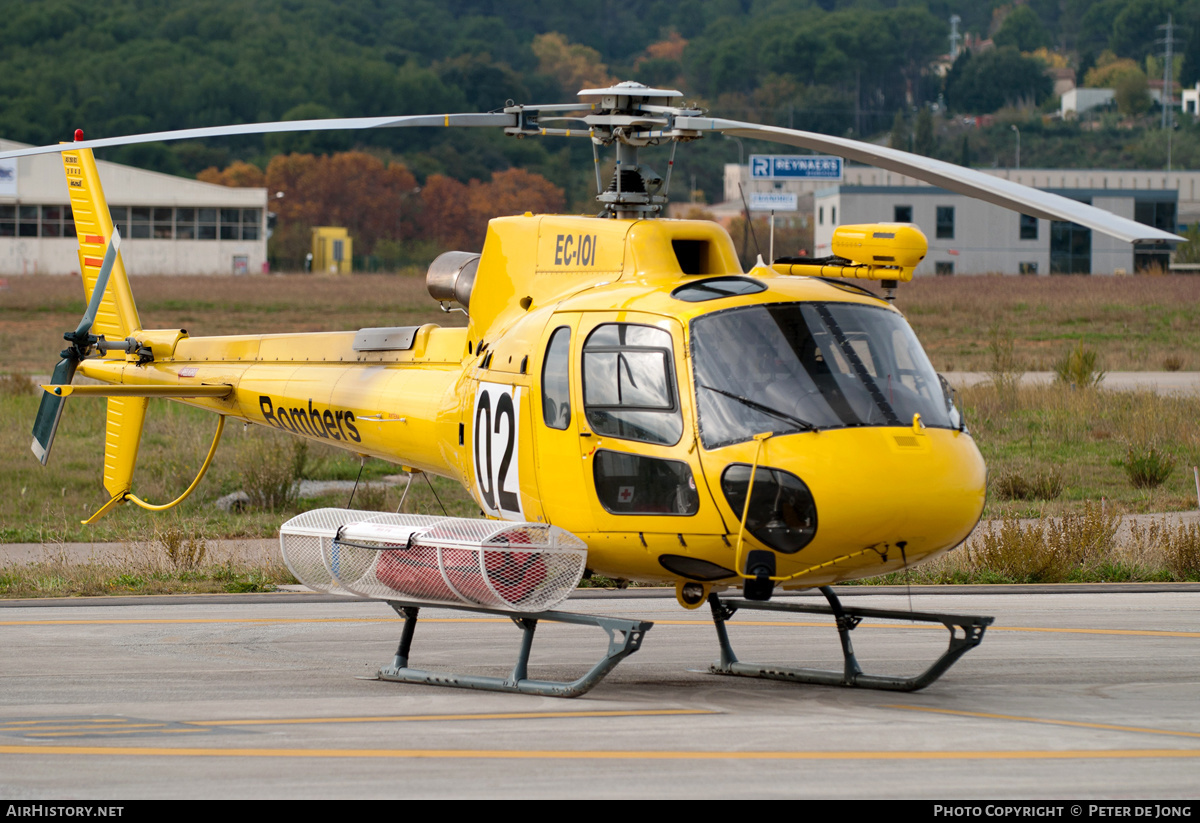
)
(632, 115)
(627, 116)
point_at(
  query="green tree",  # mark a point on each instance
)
(899, 138)
(1132, 94)
(996, 78)
(1023, 30)
(485, 83)
(882, 54)
(919, 36)
(1088, 24)
(1190, 71)
(1109, 70)
(1134, 30)
(924, 141)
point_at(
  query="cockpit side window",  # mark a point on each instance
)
(556, 386)
(629, 384)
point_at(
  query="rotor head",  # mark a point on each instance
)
(627, 97)
(631, 115)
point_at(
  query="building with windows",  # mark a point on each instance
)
(969, 236)
(168, 224)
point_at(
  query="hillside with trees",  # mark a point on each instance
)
(862, 68)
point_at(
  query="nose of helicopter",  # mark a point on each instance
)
(821, 496)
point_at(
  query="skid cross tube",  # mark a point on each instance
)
(972, 629)
(624, 638)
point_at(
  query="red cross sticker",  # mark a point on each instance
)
(625, 494)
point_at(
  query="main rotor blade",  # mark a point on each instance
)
(334, 124)
(50, 410)
(1006, 193)
(110, 259)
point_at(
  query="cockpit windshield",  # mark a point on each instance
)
(804, 366)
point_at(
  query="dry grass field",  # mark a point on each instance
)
(1052, 451)
(1141, 323)
(35, 311)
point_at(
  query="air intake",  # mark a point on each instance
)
(451, 277)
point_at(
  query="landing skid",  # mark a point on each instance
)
(847, 619)
(624, 638)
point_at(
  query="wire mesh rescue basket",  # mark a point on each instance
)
(491, 563)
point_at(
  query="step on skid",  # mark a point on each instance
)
(624, 638)
(966, 632)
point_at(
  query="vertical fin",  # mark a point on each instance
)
(117, 317)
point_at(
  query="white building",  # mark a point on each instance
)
(1190, 101)
(968, 236)
(1078, 100)
(168, 224)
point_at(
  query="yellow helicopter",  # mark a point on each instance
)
(624, 400)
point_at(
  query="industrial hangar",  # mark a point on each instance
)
(969, 236)
(170, 225)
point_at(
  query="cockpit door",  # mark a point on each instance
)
(636, 431)
(556, 418)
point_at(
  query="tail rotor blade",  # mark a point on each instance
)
(50, 410)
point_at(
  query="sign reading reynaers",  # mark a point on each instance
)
(795, 167)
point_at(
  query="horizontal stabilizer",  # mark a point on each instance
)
(134, 390)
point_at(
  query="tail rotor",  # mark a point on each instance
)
(81, 345)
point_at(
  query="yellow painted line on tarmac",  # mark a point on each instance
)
(1046, 721)
(416, 718)
(624, 755)
(134, 621)
(88, 723)
(109, 727)
(1129, 632)
(505, 620)
(938, 626)
(219, 620)
(56, 728)
(114, 732)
